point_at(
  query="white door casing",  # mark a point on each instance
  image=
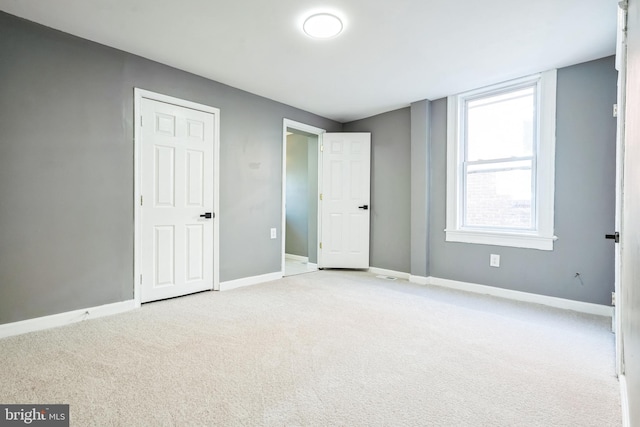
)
(177, 149)
(345, 203)
(318, 132)
(621, 66)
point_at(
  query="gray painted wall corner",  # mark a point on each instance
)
(390, 187)
(420, 181)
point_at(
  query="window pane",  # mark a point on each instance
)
(501, 126)
(499, 197)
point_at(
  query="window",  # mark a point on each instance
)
(500, 164)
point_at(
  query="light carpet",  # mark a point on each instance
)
(331, 348)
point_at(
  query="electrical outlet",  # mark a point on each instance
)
(494, 260)
(273, 233)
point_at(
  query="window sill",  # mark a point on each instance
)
(515, 240)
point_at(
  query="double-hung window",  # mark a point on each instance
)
(500, 164)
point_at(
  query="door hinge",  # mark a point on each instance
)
(322, 148)
(140, 200)
(615, 110)
(613, 298)
(141, 279)
(141, 122)
(320, 196)
(320, 245)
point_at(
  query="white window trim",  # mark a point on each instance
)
(542, 238)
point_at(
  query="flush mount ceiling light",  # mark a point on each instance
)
(322, 26)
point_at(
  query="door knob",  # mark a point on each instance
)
(365, 207)
(206, 215)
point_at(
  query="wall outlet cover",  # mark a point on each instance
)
(494, 260)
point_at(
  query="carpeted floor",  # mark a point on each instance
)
(332, 348)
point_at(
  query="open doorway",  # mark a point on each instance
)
(300, 198)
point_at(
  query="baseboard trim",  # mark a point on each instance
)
(624, 401)
(390, 273)
(419, 280)
(62, 319)
(579, 306)
(248, 281)
(297, 257)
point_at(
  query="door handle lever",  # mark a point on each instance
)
(615, 237)
(365, 207)
(206, 215)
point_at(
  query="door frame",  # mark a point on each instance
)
(139, 94)
(292, 124)
(621, 66)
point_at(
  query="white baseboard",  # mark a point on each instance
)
(582, 307)
(297, 257)
(390, 273)
(419, 280)
(624, 401)
(579, 306)
(248, 281)
(61, 319)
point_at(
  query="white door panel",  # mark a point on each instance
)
(345, 203)
(177, 188)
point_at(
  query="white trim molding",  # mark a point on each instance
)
(390, 273)
(419, 280)
(303, 127)
(566, 304)
(624, 401)
(288, 123)
(67, 318)
(515, 240)
(248, 281)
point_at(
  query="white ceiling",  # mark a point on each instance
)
(390, 54)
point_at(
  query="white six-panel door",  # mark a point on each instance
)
(345, 205)
(176, 238)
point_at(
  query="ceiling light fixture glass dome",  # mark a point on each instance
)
(322, 26)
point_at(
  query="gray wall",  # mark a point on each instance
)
(390, 187)
(630, 239)
(312, 164)
(66, 170)
(584, 200)
(66, 179)
(420, 181)
(297, 209)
